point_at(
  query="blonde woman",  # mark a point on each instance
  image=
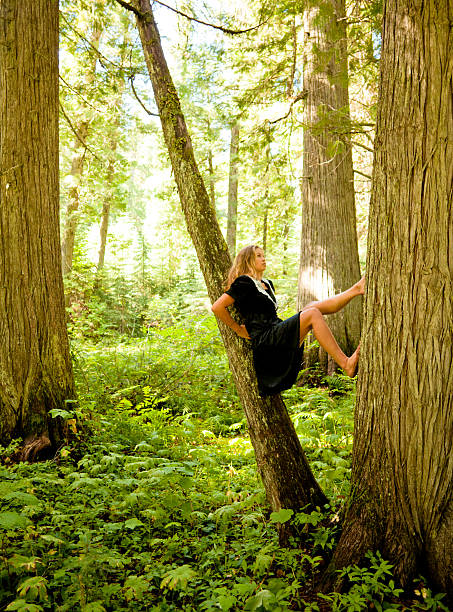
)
(278, 345)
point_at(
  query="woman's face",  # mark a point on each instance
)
(260, 260)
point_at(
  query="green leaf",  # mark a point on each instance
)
(13, 520)
(59, 412)
(132, 523)
(135, 586)
(26, 498)
(263, 599)
(33, 588)
(178, 577)
(94, 606)
(282, 516)
(23, 606)
(226, 602)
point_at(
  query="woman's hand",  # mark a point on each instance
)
(242, 332)
(360, 286)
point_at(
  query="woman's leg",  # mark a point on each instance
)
(311, 319)
(337, 302)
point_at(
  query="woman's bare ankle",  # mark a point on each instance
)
(352, 363)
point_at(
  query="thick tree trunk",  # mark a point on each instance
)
(233, 190)
(287, 478)
(35, 368)
(402, 481)
(329, 261)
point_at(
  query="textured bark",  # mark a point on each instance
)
(35, 368)
(402, 481)
(233, 190)
(286, 476)
(329, 261)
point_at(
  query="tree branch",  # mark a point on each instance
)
(129, 7)
(210, 25)
(359, 144)
(300, 96)
(79, 138)
(367, 176)
(131, 79)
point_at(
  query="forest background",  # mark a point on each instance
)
(154, 502)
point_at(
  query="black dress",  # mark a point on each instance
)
(276, 353)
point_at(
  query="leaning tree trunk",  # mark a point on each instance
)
(286, 475)
(402, 481)
(233, 190)
(329, 261)
(35, 368)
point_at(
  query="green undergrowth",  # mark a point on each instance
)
(158, 506)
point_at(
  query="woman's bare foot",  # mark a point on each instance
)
(352, 363)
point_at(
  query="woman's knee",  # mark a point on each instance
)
(310, 313)
(308, 318)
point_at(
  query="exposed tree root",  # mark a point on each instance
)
(34, 447)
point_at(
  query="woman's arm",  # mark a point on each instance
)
(219, 308)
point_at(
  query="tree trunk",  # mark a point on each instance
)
(329, 261)
(67, 245)
(211, 179)
(402, 481)
(233, 190)
(35, 367)
(286, 475)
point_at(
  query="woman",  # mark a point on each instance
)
(278, 345)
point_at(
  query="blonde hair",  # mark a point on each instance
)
(244, 263)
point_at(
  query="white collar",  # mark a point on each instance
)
(261, 289)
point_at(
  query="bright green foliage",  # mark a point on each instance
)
(159, 506)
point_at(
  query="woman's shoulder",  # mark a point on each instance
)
(242, 285)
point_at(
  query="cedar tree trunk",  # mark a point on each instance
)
(402, 482)
(329, 261)
(35, 368)
(286, 475)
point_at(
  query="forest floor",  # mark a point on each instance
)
(155, 503)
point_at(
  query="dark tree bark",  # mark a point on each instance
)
(233, 190)
(329, 261)
(402, 481)
(35, 368)
(286, 475)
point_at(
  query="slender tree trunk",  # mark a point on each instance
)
(287, 478)
(211, 179)
(82, 129)
(329, 260)
(233, 190)
(402, 482)
(35, 367)
(67, 245)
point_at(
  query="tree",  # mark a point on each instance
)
(401, 498)
(329, 261)
(35, 368)
(82, 129)
(233, 189)
(286, 475)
